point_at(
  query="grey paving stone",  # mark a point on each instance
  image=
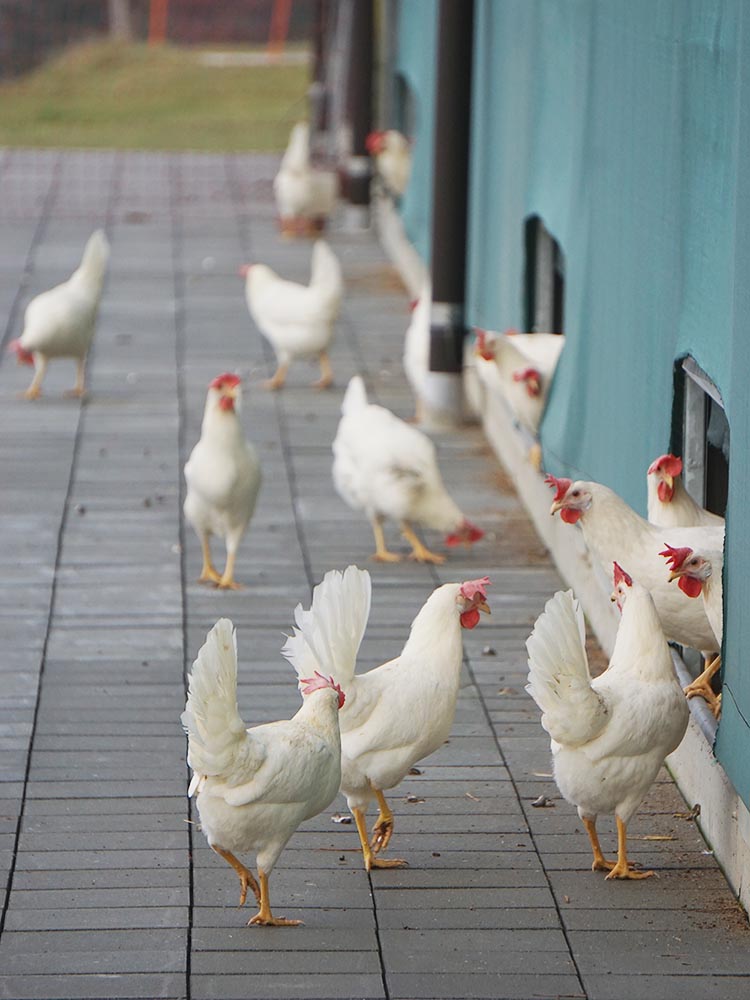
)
(293, 986)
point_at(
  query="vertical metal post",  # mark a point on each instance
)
(358, 168)
(443, 390)
(317, 93)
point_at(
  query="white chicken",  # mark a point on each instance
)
(392, 152)
(700, 573)
(609, 736)
(297, 320)
(305, 194)
(223, 478)
(520, 366)
(254, 787)
(669, 503)
(399, 712)
(61, 322)
(615, 533)
(417, 347)
(388, 469)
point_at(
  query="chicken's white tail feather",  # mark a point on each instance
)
(297, 153)
(211, 719)
(325, 270)
(327, 637)
(559, 678)
(355, 397)
(95, 255)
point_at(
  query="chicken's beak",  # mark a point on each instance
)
(674, 575)
(669, 480)
(231, 392)
(484, 606)
(556, 505)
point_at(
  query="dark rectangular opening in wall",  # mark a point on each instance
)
(544, 280)
(701, 437)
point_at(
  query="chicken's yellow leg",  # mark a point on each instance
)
(208, 573)
(79, 389)
(701, 686)
(264, 917)
(600, 863)
(35, 389)
(622, 869)
(419, 551)
(245, 876)
(382, 831)
(326, 372)
(278, 378)
(227, 581)
(381, 553)
(369, 859)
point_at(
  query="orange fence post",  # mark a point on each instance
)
(279, 29)
(157, 21)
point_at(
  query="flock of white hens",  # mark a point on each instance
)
(362, 733)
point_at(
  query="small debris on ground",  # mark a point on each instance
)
(80, 509)
(542, 803)
(343, 818)
(472, 797)
(415, 770)
(693, 814)
(507, 691)
(489, 651)
(413, 798)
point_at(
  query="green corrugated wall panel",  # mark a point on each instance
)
(618, 124)
(416, 62)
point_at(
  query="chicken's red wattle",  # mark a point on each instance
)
(470, 618)
(690, 586)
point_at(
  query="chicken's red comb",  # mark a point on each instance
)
(471, 589)
(621, 576)
(316, 683)
(467, 534)
(223, 381)
(523, 374)
(372, 142)
(561, 485)
(671, 464)
(676, 557)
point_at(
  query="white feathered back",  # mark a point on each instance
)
(211, 718)
(559, 678)
(325, 272)
(327, 637)
(297, 153)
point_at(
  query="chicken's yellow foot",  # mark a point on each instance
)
(79, 389)
(381, 553)
(370, 860)
(278, 378)
(600, 863)
(264, 917)
(419, 551)
(622, 869)
(208, 573)
(326, 373)
(244, 874)
(382, 831)
(227, 581)
(701, 687)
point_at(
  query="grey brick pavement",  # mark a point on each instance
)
(107, 889)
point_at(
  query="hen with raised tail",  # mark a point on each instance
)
(388, 469)
(305, 194)
(61, 322)
(254, 787)
(397, 713)
(609, 736)
(297, 320)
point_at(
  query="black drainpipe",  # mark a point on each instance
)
(444, 401)
(360, 76)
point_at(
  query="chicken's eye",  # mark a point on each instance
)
(576, 493)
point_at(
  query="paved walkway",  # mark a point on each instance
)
(110, 891)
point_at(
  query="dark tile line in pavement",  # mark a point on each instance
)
(178, 278)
